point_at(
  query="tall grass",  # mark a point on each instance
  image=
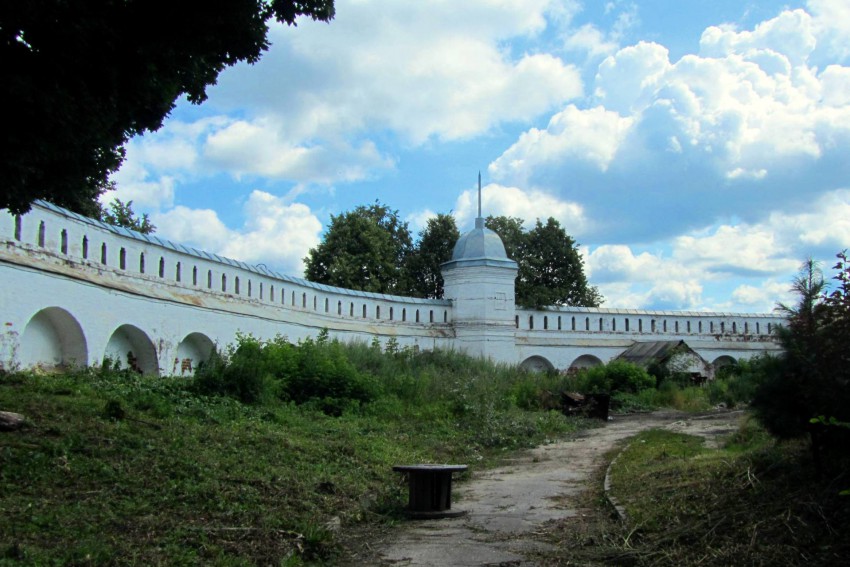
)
(248, 462)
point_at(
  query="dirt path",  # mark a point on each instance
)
(506, 506)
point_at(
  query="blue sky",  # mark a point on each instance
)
(698, 151)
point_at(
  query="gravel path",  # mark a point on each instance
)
(508, 505)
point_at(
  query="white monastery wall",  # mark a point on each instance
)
(75, 290)
(581, 336)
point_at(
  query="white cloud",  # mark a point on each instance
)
(590, 136)
(261, 148)
(763, 297)
(498, 200)
(672, 146)
(421, 70)
(275, 233)
(133, 182)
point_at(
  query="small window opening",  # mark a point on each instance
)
(18, 223)
(209, 279)
(63, 241)
(162, 267)
(194, 275)
(122, 259)
(103, 253)
(236, 285)
(531, 322)
(85, 248)
(178, 272)
(41, 234)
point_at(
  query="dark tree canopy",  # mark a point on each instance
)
(551, 270)
(82, 77)
(434, 247)
(811, 378)
(363, 249)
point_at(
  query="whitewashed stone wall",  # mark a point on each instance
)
(75, 290)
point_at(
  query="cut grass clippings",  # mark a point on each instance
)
(749, 503)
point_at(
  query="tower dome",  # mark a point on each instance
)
(480, 242)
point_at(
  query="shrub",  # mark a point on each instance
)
(616, 376)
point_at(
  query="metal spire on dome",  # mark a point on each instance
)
(479, 221)
(479, 194)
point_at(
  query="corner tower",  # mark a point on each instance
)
(480, 282)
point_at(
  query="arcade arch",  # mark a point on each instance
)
(586, 361)
(53, 339)
(192, 350)
(537, 363)
(130, 347)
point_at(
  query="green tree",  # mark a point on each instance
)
(434, 247)
(551, 269)
(811, 377)
(82, 77)
(511, 232)
(120, 213)
(363, 249)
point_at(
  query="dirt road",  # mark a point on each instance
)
(506, 506)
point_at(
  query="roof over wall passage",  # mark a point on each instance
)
(644, 353)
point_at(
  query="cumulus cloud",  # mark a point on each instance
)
(276, 233)
(421, 70)
(529, 205)
(668, 147)
(135, 183)
(765, 255)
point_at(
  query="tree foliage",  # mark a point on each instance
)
(364, 249)
(551, 269)
(434, 247)
(812, 376)
(81, 78)
(120, 213)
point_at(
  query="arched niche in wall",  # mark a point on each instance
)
(586, 361)
(53, 339)
(130, 347)
(722, 361)
(537, 363)
(193, 350)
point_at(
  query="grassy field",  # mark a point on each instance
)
(751, 502)
(117, 469)
(275, 454)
